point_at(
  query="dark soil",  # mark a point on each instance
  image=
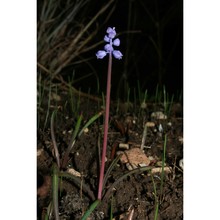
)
(136, 191)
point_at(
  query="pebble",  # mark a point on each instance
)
(134, 156)
(143, 105)
(74, 172)
(150, 124)
(123, 146)
(181, 163)
(158, 115)
(159, 170)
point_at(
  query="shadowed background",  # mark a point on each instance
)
(151, 34)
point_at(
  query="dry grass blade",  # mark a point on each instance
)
(65, 57)
(64, 32)
(54, 140)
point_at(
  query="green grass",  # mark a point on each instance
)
(55, 188)
(167, 101)
(163, 164)
(62, 162)
(158, 196)
(155, 198)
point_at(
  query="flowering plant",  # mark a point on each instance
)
(108, 49)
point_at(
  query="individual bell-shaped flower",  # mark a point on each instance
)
(108, 48)
(117, 54)
(100, 54)
(111, 32)
(116, 42)
(106, 38)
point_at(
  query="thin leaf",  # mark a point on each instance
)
(54, 139)
(78, 183)
(114, 162)
(55, 192)
(90, 210)
(90, 122)
(140, 169)
(163, 164)
(72, 142)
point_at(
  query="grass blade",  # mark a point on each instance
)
(114, 162)
(140, 169)
(54, 139)
(48, 108)
(163, 164)
(90, 210)
(55, 192)
(91, 120)
(156, 198)
(77, 134)
(72, 142)
(78, 182)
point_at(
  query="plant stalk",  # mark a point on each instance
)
(107, 109)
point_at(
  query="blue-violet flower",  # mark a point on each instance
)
(111, 33)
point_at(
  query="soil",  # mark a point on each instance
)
(136, 192)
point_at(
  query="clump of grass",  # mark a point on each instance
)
(63, 32)
(155, 198)
(142, 97)
(158, 196)
(61, 163)
(167, 102)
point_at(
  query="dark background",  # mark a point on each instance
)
(151, 34)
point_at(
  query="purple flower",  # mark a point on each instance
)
(100, 54)
(117, 54)
(116, 42)
(111, 32)
(106, 38)
(108, 48)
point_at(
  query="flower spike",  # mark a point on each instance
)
(108, 48)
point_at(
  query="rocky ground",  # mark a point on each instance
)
(138, 194)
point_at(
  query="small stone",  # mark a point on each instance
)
(150, 124)
(143, 105)
(160, 128)
(123, 146)
(129, 167)
(180, 139)
(158, 115)
(142, 165)
(74, 172)
(151, 158)
(160, 163)
(55, 97)
(159, 170)
(181, 163)
(169, 124)
(134, 156)
(40, 151)
(86, 130)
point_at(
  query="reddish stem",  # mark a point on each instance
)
(107, 107)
